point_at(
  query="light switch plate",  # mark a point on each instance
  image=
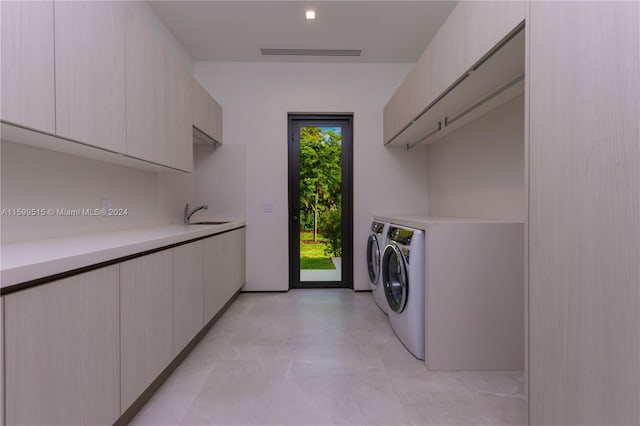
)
(267, 207)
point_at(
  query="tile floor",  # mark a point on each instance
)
(322, 357)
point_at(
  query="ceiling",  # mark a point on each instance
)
(386, 31)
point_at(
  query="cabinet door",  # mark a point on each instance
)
(62, 352)
(389, 119)
(241, 247)
(179, 117)
(404, 101)
(448, 61)
(188, 292)
(27, 64)
(215, 120)
(145, 88)
(213, 276)
(423, 89)
(488, 22)
(200, 106)
(89, 72)
(584, 167)
(146, 322)
(234, 262)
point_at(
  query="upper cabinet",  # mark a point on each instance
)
(207, 115)
(145, 88)
(487, 22)
(27, 64)
(215, 120)
(179, 115)
(200, 107)
(401, 106)
(474, 63)
(90, 72)
(82, 75)
(448, 47)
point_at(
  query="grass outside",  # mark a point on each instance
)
(312, 254)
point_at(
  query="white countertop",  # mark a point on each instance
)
(421, 222)
(25, 261)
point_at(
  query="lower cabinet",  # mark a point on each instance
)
(81, 350)
(146, 322)
(62, 352)
(234, 260)
(188, 317)
(224, 269)
(213, 276)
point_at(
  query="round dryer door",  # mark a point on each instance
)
(394, 278)
(373, 259)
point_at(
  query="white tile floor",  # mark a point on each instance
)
(322, 357)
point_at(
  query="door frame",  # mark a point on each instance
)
(296, 120)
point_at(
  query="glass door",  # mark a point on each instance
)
(320, 232)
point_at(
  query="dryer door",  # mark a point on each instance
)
(373, 259)
(395, 278)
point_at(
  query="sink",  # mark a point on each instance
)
(209, 223)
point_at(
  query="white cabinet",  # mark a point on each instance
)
(188, 317)
(448, 50)
(388, 120)
(207, 113)
(424, 92)
(145, 88)
(233, 256)
(90, 72)
(584, 161)
(440, 65)
(398, 111)
(179, 121)
(146, 322)
(200, 107)
(215, 120)
(62, 351)
(213, 276)
(487, 23)
(27, 64)
(224, 269)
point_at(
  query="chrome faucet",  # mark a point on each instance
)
(188, 213)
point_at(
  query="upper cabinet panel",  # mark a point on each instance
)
(145, 88)
(423, 90)
(27, 64)
(448, 50)
(200, 102)
(488, 22)
(215, 120)
(90, 72)
(179, 120)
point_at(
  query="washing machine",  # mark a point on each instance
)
(375, 247)
(403, 282)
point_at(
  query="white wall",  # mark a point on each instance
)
(37, 178)
(256, 98)
(221, 181)
(478, 171)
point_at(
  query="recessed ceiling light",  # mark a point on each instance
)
(310, 15)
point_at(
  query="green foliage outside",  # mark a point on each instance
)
(331, 228)
(312, 254)
(320, 175)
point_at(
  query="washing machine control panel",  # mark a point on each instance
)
(400, 235)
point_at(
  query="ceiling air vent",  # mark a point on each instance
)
(310, 52)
